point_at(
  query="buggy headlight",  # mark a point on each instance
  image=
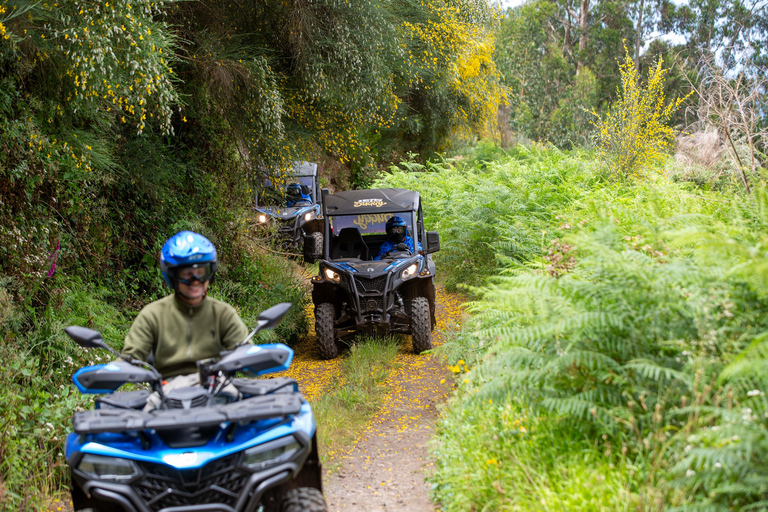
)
(308, 216)
(332, 276)
(262, 218)
(409, 271)
(268, 454)
(107, 468)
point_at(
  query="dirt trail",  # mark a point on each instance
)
(386, 468)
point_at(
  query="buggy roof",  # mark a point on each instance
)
(303, 169)
(378, 200)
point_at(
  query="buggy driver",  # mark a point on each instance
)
(295, 196)
(397, 238)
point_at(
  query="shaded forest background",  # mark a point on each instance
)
(124, 121)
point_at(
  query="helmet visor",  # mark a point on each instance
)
(397, 233)
(199, 272)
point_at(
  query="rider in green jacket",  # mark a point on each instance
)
(186, 326)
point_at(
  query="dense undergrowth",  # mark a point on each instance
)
(617, 357)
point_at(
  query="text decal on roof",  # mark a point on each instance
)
(378, 203)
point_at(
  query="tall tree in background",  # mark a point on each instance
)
(546, 45)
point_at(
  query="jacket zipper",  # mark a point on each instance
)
(189, 336)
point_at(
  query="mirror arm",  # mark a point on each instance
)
(259, 325)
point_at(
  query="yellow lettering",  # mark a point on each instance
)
(363, 221)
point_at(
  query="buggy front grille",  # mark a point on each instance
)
(377, 284)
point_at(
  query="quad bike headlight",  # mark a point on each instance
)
(409, 271)
(331, 275)
(269, 454)
(308, 216)
(262, 218)
(107, 468)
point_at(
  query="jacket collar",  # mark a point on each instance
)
(186, 308)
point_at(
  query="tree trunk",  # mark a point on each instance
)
(639, 32)
(583, 19)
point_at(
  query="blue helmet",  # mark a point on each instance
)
(187, 249)
(293, 190)
(396, 229)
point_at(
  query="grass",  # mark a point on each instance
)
(500, 456)
(355, 396)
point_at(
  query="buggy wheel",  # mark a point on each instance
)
(303, 499)
(421, 332)
(326, 341)
(317, 242)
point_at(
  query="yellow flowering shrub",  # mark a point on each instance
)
(119, 54)
(634, 135)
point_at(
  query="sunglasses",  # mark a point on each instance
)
(200, 272)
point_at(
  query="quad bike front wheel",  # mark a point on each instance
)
(326, 340)
(421, 325)
(303, 499)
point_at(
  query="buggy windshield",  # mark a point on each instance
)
(271, 195)
(368, 224)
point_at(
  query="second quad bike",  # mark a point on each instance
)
(225, 444)
(358, 290)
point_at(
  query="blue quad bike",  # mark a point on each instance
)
(205, 448)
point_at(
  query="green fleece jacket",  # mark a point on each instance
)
(180, 334)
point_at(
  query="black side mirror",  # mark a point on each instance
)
(274, 315)
(309, 256)
(86, 338)
(433, 242)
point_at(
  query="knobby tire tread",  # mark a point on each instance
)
(303, 499)
(421, 323)
(326, 342)
(318, 242)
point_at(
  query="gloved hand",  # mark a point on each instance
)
(402, 247)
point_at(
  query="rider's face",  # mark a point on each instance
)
(193, 292)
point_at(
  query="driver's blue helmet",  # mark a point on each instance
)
(293, 189)
(187, 249)
(396, 229)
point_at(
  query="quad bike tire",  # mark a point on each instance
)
(317, 242)
(303, 499)
(326, 340)
(421, 325)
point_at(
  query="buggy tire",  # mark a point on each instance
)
(317, 242)
(421, 325)
(326, 340)
(303, 499)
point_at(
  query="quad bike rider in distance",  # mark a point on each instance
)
(294, 208)
(376, 273)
